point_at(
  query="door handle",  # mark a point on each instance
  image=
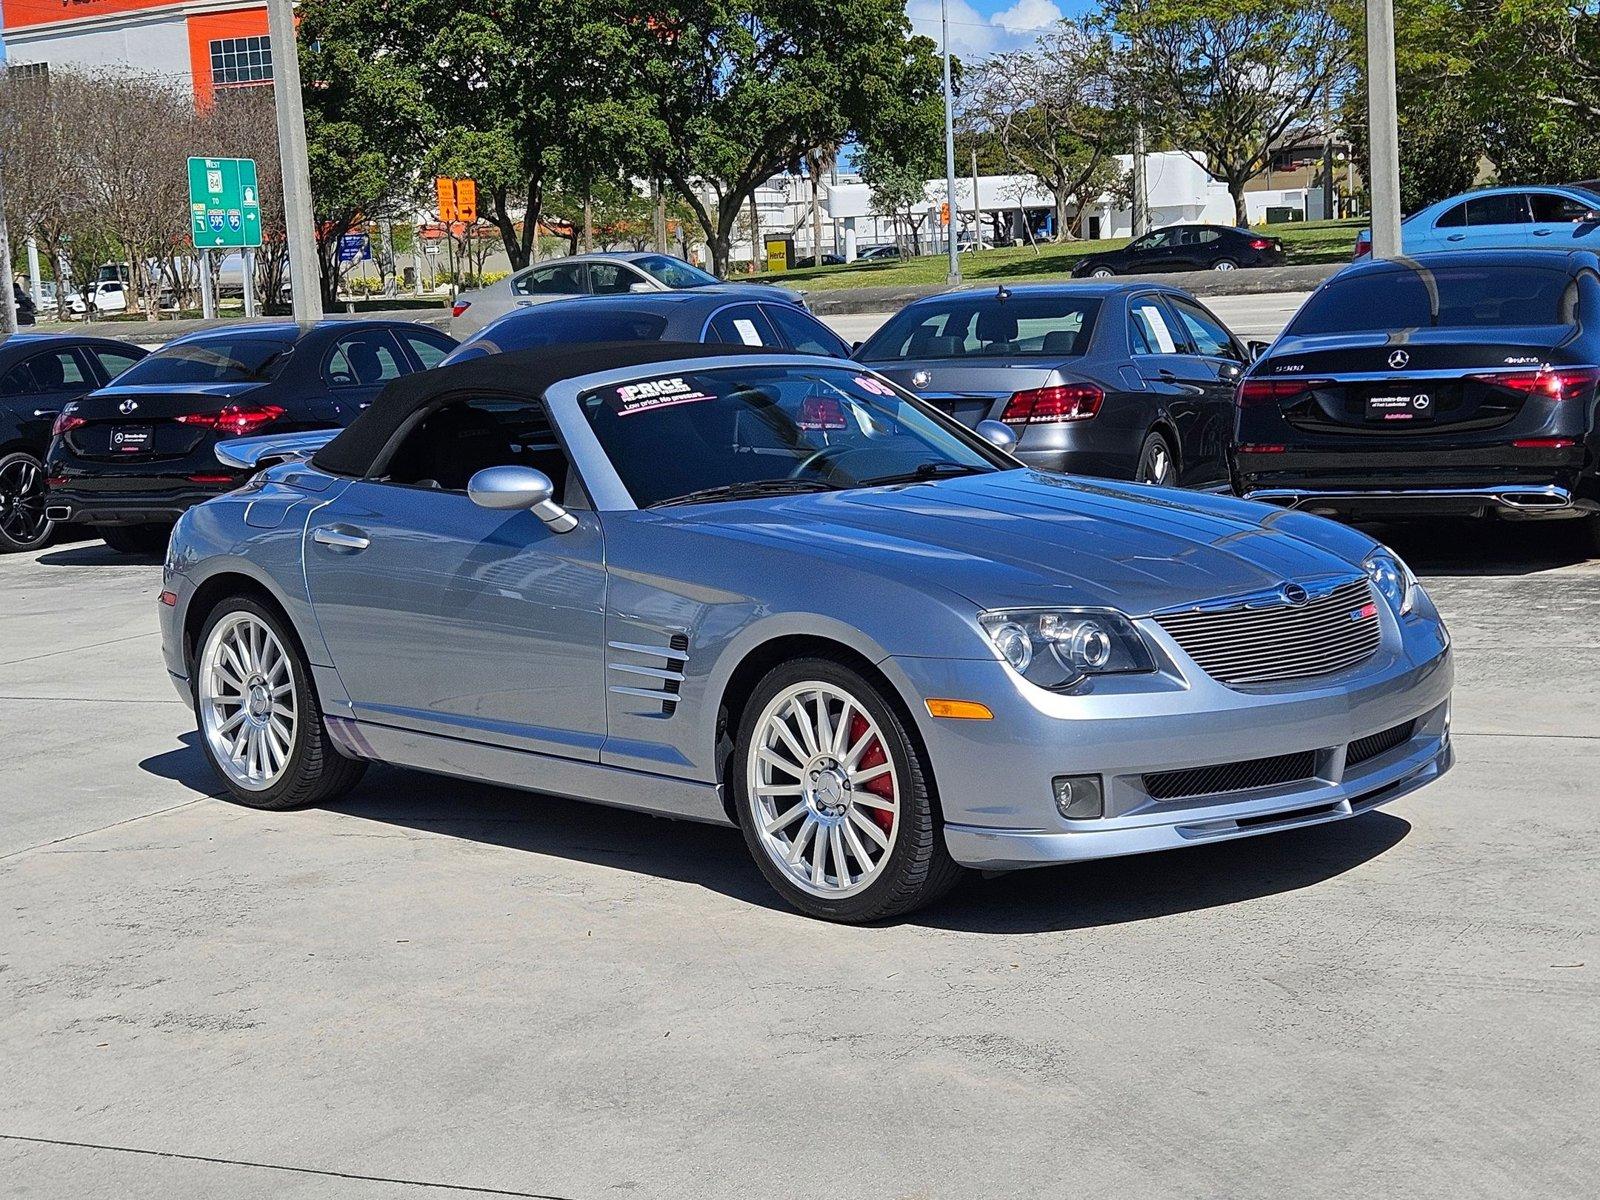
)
(47, 412)
(1167, 376)
(1456, 237)
(1541, 233)
(344, 538)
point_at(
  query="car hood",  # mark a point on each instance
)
(1025, 538)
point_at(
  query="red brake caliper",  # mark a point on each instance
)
(873, 756)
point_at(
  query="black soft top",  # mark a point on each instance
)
(517, 372)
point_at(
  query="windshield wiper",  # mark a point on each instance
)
(928, 470)
(748, 491)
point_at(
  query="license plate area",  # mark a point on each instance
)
(131, 439)
(1400, 406)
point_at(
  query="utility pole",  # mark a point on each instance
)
(954, 274)
(1383, 130)
(299, 219)
(1141, 201)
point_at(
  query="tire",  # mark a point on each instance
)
(1102, 273)
(284, 758)
(23, 525)
(1589, 535)
(1224, 264)
(891, 847)
(136, 539)
(1157, 463)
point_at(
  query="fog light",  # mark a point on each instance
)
(1078, 797)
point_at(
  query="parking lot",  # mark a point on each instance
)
(439, 987)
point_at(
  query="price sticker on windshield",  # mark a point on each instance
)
(657, 393)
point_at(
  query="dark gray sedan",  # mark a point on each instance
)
(1123, 380)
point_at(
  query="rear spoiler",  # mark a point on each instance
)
(247, 454)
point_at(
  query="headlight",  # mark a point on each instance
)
(1055, 648)
(1392, 578)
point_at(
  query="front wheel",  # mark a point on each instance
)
(1223, 264)
(260, 723)
(23, 525)
(1101, 273)
(1155, 463)
(834, 797)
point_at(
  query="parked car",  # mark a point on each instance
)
(1446, 384)
(103, 296)
(1123, 380)
(1514, 218)
(129, 458)
(828, 260)
(610, 274)
(779, 592)
(698, 316)
(879, 253)
(1184, 248)
(39, 376)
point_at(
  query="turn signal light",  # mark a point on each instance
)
(1047, 405)
(1562, 383)
(234, 420)
(959, 710)
(1267, 391)
(66, 423)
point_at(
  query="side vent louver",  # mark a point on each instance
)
(650, 672)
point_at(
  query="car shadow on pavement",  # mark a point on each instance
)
(1074, 896)
(1444, 548)
(95, 554)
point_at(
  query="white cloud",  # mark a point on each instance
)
(973, 35)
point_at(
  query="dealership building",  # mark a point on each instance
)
(201, 45)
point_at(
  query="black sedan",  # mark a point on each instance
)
(39, 376)
(1461, 383)
(699, 316)
(130, 458)
(1124, 380)
(1184, 248)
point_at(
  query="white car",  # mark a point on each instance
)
(106, 296)
(591, 275)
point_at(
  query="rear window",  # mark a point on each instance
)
(1463, 297)
(986, 327)
(238, 359)
(543, 327)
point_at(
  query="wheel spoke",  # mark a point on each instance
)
(854, 842)
(824, 726)
(873, 800)
(852, 756)
(841, 869)
(767, 755)
(797, 848)
(808, 734)
(784, 819)
(232, 722)
(860, 778)
(841, 731)
(867, 826)
(786, 736)
(819, 857)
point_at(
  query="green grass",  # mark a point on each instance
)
(1308, 242)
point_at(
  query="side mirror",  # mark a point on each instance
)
(998, 433)
(518, 488)
(639, 287)
(1255, 349)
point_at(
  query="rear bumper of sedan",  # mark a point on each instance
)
(155, 500)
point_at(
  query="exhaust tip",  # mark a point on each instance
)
(57, 512)
(1555, 498)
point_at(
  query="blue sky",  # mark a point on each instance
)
(979, 27)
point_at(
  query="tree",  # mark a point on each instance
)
(730, 92)
(1054, 111)
(1225, 81)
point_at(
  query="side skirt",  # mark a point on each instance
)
(639, 790)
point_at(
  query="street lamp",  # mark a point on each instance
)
(954, 275)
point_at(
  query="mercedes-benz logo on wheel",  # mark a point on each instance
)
(127, 406)
(1399, 359)
(1293, 593)
(921, 379)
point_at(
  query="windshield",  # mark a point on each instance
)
(745, 430)
(241, 358)
(540, 326)
(987, 327)
(674, 272)
(1457, 297)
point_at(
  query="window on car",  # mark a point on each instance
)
(1557, 209)
(1453, 218)
(558, 279)
(1446, 297)
(1152, 241)
(472, 432)
(612, 279)
(1206, 236)
(678, 433)
(1056, 326)
(1506, 208)
(115, 362)
(364, 359)
(740, 325)
(559, 324)
(227, 358)
(1150, 329)
(674, 272)
(429, 347)
(52, 371)
(1206, 333)
(804, 332)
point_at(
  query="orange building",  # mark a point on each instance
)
(201, 45)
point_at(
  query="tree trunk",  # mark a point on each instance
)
(816, 221)
(1241, 216)
(755, 232)
(588, 222)
(1063, 233)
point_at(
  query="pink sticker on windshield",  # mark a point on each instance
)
(656, 393)
(876, 386)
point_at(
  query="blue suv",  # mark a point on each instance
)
(1507, 218)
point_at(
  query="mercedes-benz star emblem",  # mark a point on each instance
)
(127, 406)
(1293, 593)
(1399, 359)
(921, 379)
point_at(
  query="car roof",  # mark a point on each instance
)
(1076, 287)
(289, 329)
(14, 340)
(518, 372)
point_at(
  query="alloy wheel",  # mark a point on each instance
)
(1157, 465)
(823, 790)
(22, 490)
(1223, 265)
(248, 709)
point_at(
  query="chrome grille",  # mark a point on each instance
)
(1255, 642)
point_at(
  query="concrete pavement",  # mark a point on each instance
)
(442, 988)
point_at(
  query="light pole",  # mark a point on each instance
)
(1383, 130)
(300, 226)
(954, 275)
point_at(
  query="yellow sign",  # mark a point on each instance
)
(778, 254)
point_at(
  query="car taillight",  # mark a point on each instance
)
(66, 423)
(1267, 391)
(1545, 443)
(1047, 405)
(235, 420)
(1562, 383)
(1260, 244)
(459, 307)
(1363, 245)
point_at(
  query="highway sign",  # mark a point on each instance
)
(224, 203)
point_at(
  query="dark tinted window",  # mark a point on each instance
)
(364, 359)
(237, 358)
(429, 347)
(563, 279)
(558, 325)
(1452, 297)
(804, 332)
(115, 362)
(984, 327)
(1559, 209)
(1152, 241)
(1453, 218)
(674, 272)
(612, 279)
(51, 371)
(1206, 333)
(1509, 208)
(452, 445)
(741, 325)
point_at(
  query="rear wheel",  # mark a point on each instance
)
(1101, 273)
(136, 539)
(260, 723)
(23, 525)
(1156, 464)
(834, 798)
(1224, 264)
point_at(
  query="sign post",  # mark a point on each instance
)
(224, 214)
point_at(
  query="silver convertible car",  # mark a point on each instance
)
(778, 592)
